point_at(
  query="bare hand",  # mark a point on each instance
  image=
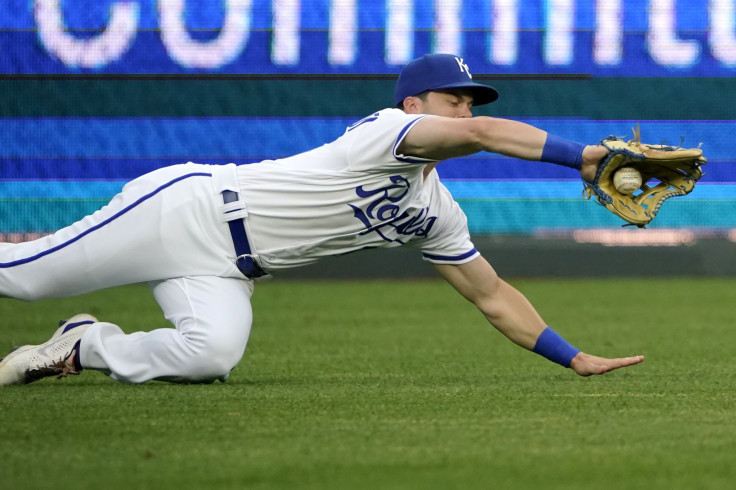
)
(586, 365)
(592, 156)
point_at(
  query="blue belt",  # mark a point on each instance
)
(245, 261)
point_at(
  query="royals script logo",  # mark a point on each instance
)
(381, 215)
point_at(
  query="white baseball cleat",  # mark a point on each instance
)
(55, 357)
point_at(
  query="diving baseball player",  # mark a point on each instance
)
(201, 234)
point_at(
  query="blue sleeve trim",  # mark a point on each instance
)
(451, 258)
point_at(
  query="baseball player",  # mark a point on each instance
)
(201, 234)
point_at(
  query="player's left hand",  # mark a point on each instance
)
(586, 365)
(592, 156)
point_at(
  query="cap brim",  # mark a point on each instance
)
(482, 94)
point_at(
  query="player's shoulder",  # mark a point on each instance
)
(390, 114)
(394, 114)
(390, 119)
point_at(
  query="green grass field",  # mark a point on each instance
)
(396, 385)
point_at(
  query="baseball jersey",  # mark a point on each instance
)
(354, 193)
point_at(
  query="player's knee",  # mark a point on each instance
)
(210, 368)
(213, 358)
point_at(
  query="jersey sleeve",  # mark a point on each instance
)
(377, 137)
(448, 240)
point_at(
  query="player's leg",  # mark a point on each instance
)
(162, 225)
(212, 317)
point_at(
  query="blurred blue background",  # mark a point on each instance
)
(96, 92)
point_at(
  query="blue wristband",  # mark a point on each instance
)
(563, 152)
(555, 348)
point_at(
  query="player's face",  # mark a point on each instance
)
(449, 103)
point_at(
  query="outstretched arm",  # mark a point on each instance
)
(441, 138)
(513, 315)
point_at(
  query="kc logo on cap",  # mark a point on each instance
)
(439, 71)
(463, 66)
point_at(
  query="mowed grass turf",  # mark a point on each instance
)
(396, 385)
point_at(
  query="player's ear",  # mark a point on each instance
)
(412, 105)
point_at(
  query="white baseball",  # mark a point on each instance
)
(626, 180)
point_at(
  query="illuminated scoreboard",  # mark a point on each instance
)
(599, 37)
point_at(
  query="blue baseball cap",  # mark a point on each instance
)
(439, 72)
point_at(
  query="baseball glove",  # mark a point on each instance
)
(666, 171)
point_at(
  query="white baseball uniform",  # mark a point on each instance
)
(169, 228)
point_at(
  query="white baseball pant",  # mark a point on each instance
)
(165, 228)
